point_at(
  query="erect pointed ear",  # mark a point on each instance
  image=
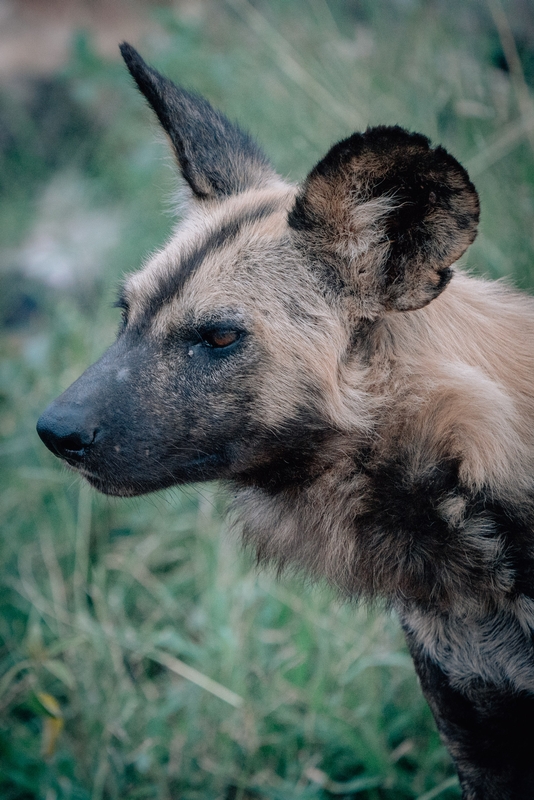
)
(390, 215)
(216, 158)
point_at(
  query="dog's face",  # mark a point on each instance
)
(206, 379)
(238, 356)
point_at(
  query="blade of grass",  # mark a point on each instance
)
(509, 137)
(355, 786)
(195, 676)
(291, 66)
(524, 98)
(447, 784)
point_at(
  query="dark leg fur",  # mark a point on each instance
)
(488, 730)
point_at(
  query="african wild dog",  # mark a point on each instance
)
(372, 411)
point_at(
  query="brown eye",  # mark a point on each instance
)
(221, 338)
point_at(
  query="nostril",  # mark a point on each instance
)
(74, 443)
(70, 448)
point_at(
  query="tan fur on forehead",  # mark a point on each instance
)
(200, 220)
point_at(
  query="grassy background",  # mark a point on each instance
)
(141, 655)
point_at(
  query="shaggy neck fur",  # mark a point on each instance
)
(421, 510)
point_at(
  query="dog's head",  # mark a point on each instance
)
(239, 355)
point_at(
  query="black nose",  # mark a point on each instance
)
(65, 432)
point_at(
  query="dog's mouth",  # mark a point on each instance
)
(101, 484)
(200, 468)
(113, 489)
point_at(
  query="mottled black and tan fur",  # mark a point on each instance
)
(372, 410)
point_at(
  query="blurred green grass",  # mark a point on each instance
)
(108, 604)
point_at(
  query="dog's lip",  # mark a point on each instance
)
(131, 488)
(106, 487)
(76, 467)
(72, 463)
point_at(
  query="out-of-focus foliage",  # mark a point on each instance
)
(107, 603)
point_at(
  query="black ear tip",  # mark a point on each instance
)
(130, 55)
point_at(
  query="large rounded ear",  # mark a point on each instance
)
(389, 214)
(216, 158)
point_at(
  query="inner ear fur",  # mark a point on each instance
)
(390, 214)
